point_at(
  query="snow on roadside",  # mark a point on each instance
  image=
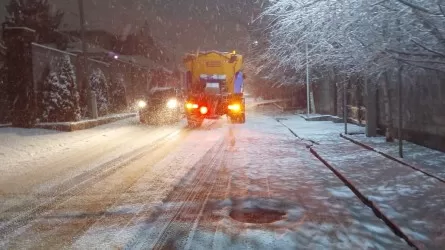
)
(105, 117)
(323, 132)
(21, 147)
(404, 195)
(430, 160)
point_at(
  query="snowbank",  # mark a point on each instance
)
(85, 124)
(21, 147)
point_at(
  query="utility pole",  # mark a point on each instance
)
(400, 93)
(400, 131)
(84, 61)
(345, 105)
(307, 83)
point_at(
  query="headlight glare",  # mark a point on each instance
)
(142, 104)
(172, 103)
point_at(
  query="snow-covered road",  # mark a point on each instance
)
(126, 185)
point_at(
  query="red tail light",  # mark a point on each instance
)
(203, 110)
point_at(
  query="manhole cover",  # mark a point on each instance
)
(257, 215)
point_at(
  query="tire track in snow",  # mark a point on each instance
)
(197, 191)
(83, 181)
(158, 178)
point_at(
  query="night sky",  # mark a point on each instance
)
(178, 25)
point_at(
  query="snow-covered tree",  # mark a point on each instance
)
(38, 15)
(67, 77)
(369, 38)
(358, 36)
(60, 96)
(98, 83)
(118, 94)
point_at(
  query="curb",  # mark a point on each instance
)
(393, 158)
(285, 109)
(323, 118)
(70, 127)
(396, 229)
(5, 125)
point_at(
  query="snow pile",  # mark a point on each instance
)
(60, 97)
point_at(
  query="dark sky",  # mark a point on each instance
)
(180, 25)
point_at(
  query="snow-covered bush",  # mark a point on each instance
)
(98, 83)
(60, 99)
(118, 94)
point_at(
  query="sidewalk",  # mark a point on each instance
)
(412, 201)
(319, 132)
(429, 160)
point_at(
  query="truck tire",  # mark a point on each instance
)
(242, 118)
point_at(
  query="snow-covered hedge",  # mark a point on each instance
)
(118, 93)
(60, 97)
(99, 85)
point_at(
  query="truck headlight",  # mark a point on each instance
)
(172, 103)
(142, 104)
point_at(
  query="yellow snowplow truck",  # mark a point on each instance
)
(214, 87)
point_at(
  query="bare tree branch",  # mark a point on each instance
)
(412, 53)
(417, 7)
(441, 9)
(423, 66)
(428, 49)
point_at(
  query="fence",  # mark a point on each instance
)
(423, 99)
